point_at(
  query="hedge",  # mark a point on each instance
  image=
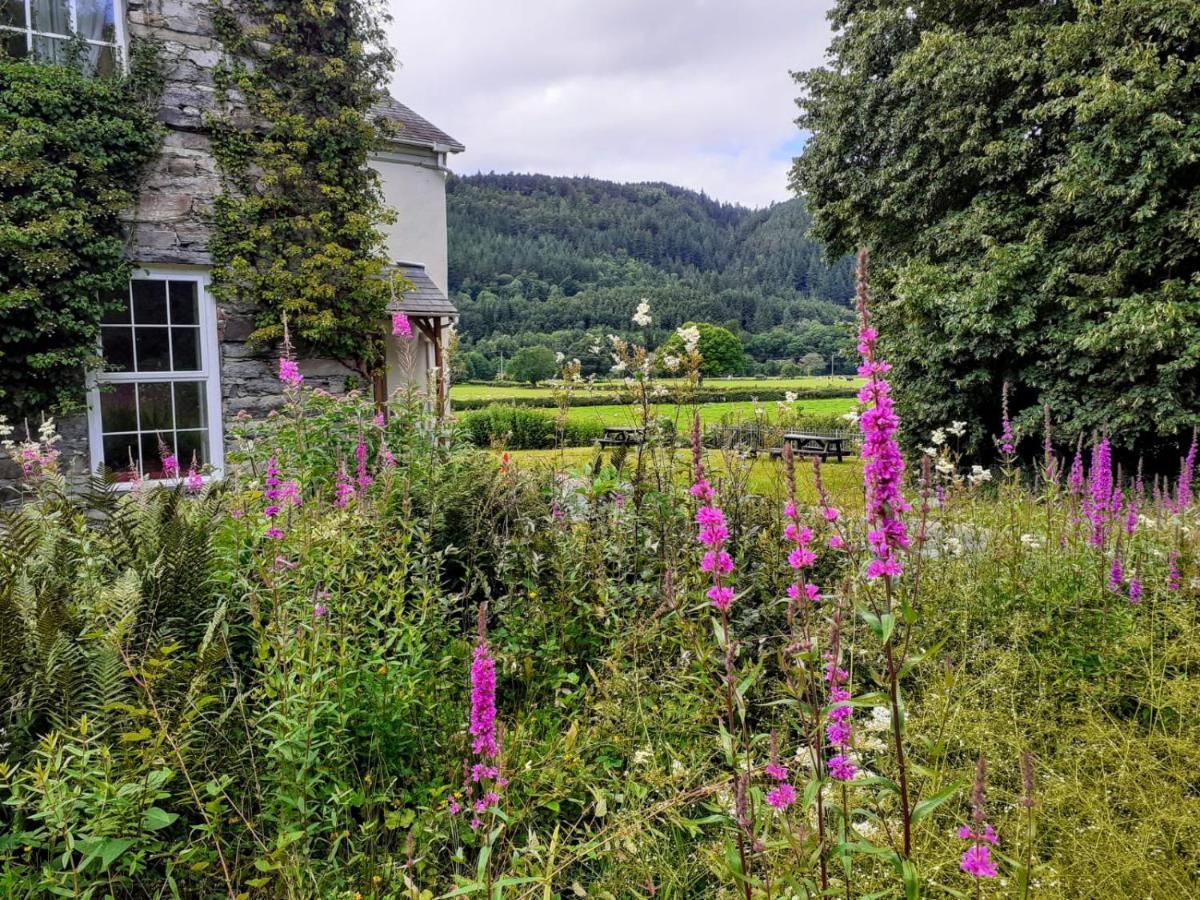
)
(733, 393)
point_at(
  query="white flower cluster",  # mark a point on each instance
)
(790, 396)
(979, 475)
(690, 337)
(641, 317)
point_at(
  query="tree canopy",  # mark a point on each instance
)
(533, 364)
(1027, 176)
(720, 351)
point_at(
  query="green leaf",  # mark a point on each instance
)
(925, 807)
(156, 818)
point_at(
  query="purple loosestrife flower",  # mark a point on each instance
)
(1075, 478)
(713, 532)
(289, 373)
(1116, 575)
(977, 859)
(782, 796)
(883, 465)
(839, 729)
(1183, 489)
(1100, 490)
(360, 457)
(483, 696)
(401, 326)
(1174, 582)
(1135, 589)
(1007, 441)
(343, 488)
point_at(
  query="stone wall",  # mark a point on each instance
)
(172, 221)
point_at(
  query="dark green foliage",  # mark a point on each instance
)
(1026, 176)
(536, 259)
(721, 351)
(533, 364)
(71, 150)
(298, 228)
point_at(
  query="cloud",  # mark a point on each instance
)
(692, 92)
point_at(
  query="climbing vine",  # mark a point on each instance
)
(71, 147)
(297, 227)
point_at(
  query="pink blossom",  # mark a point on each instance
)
(289, 372)
(883, 465)
(401, 326)
(842, 768)
(483, 702)
(777, 771)
(195, 481)
(977, 861)
(783, 796)
(721, 596)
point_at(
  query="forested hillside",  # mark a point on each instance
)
(536, 259)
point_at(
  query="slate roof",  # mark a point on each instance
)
(424, 298)
(414, 129)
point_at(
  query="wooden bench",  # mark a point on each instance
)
(619, 436)
(820, 445)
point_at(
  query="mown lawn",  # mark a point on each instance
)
(842, 480)
(710, 413)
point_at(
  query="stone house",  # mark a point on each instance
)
(179, 368)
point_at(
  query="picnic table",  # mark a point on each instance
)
(821, 445)
(622, 436)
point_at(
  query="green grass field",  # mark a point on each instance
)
(842, 480)
(501, 392)
(710, 413)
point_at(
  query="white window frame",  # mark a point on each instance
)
(120, 42)
(209, 372)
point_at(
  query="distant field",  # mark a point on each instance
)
(842, 480)
(501, 393)
(710, 413)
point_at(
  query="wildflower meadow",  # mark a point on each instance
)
(379, 661)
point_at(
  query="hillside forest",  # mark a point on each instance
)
(560, 262)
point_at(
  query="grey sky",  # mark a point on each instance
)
(693, 92)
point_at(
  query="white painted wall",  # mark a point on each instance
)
(413, 182)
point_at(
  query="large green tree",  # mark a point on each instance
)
(1027, 175)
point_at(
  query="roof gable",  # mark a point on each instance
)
(414, 129)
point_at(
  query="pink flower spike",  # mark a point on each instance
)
(401, 326)
(782, 797)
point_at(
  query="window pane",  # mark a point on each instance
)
(51, 15)
(12, 12)
(53, 50)
(154, 447)
(101, 61)
(190, 408)
(183, 303)
(193, 447)
(149, 302)
(13, 44)
(155, 407)
(121, 452)
(95, 19)
(119, 316)
(118, 408)
(117, 347)
(186, 345)
(153, 349)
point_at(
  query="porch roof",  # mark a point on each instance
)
(424, 298)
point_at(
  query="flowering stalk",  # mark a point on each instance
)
(717, 564)
(1183, 489)
(1007, 442)
(883, 472)
(977, 859)
(1027, 804)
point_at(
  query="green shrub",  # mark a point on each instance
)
(516, 427)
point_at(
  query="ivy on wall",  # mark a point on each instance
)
(71, 148)
(297, 228)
